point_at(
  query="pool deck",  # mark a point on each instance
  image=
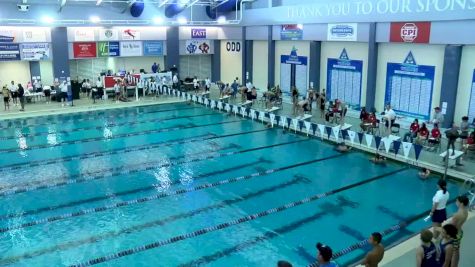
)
(400, 255)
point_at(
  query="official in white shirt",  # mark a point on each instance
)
(14, 91)
(439, 201)
(389, 117)
(175, 81)
(196, 85)
(249, 85)
(207, 84)
(64, 93)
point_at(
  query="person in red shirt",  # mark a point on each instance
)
(369, 122)
(434, 138)
(470, 144)
(412, 131)
(422, 134)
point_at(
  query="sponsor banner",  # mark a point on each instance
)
(198, 46)
(35, 52)
(108, 49)
(84, 50)
(342, 32)
(130, 34)
(153, 48)
(9, 52)
(234, 46)
(131, 49)
(114, 49)
(34, 35)
(410, 32)
(198, 33)
(7, 36)
(291, 32)
(108, 35)
(83, 35)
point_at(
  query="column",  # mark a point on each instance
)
(248, 60)
(60, 53)
(216, 62)
(372, 68)
(271, 58)
(35, 69)
(173, 48)
(314, 68)
(450, 79)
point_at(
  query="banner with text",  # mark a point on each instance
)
(9, 52)
(84, 35)
(35, 52)
(131, 49)
(108, 49)
(34, 36)
(130, 34)
(7, 36)
(84, 50)
(153, 48)
(342, 32)
(410, 32)
(291, 32)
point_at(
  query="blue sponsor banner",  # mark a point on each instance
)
(153, 48)
(114, 49)
(409, 88)
(9, 52)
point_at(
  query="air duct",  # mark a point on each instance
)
(226, 7)
(175, 8)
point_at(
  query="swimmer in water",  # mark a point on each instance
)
(424, 173)
(342, 147)
(378, 159)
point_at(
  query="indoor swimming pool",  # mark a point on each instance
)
(183, 185)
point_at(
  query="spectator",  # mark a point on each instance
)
(389, 117)
(363, 114)
(14, 92)
(310, 97)
(470, 144)
(324, 256)
(437, 117)
(295, 100)
(6, 97)
(452, 134)
(458, 220)
(439, 201)
(413, 130)
(464, 127)
(426, 254)
(369, 123)
(435, 135)
(322, 100)
(235, 87)
(155, 67)
(376, 254)
(422, 134)
(449, 234)
(21, 96)
(64, 93)
(207, 84)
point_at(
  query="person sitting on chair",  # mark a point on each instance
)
(422, 134)
(412, 131)
(369, 123)
(435, 134)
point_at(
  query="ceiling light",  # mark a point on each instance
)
(300, 26)
(182, 20)
(95, 19)
(98, 2)
(47, 19)
(158, 20)
(221, 20)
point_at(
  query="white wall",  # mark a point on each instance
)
(231, 62)
(18, 71)
(46, 68)
(431, 55)
(356, 51)
(90, 68)
(284, 48)
(465, 82)
(260, 67)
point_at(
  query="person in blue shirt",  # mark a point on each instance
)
(155, 67)
(235, 86)
(324, 256)
(427, 254)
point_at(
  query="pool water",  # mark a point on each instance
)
(174, 185)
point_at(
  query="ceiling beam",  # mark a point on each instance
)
(63, 3)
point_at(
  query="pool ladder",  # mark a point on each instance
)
(469, 184)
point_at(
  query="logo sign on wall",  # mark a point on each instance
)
(198, 33)
(197, 47)
(108, 49)
(83, 35)
(291, 32)
(130, 34)
(108, 35)
(342, 32)
(153, 48)
(34, 35)
(233, 46)
(131, 49)
(35, 52)
(84, 50)
(410, 32)
(7, 36)
(9, 52)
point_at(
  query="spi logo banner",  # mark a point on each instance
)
(342, 32)
(410, 32)
(198, 33)
(198, 47)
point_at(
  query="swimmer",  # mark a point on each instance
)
(424, 173)
(378, 159)
(342, 147)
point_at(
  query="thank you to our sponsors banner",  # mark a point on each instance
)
(198, 46)
(35, 51)
(410, 32)
(34, 35)
(7, 36)
(84, 50)
(9, 52)
(131, 49)
(153, 48)
(342, 32)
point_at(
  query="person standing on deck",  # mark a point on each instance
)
(375, 256)
(458, 220)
